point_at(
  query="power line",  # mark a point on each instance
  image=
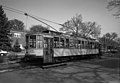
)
(40, 21)
(22, 12)
(30, 16)
(13, 11)
(33, 16)
(46, 20)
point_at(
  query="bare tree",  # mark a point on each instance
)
(112, 4)
(73, 25)
(77, 27)
(91, 29)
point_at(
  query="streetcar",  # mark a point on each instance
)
(52, 46)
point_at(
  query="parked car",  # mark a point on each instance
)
(3, 53)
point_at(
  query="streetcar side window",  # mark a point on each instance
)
(62, 42)
(96, 45)
(86, 44)
(39, 42)
(93, 45)
(67, 43)
(27, 41)
(56, 42)
(32, 41)
(71, 43)
(89, 45)
(82, 45)
(79, 44)
(76, 43)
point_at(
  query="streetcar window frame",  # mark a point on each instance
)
(71, 41)
(56, 42)
(67, 43)
(32, 41)
(79, 44)
(62, 42)
(75, 43)
(82, 46)
(39, 41)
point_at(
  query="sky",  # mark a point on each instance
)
(62, 10)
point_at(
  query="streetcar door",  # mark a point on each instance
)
(48, 50)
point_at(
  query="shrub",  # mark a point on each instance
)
(3, 59)
(12, 56)
(16, 47)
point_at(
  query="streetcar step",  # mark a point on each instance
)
(53, 65)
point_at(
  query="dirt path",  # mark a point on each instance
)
(73, 72)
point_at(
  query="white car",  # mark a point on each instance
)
(2, 53)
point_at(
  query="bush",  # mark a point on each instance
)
(3, 59)
(16, 47)
(5, 47)
(12, 56)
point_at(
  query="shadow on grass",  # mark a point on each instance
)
(38, 63)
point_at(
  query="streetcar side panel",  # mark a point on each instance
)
(36, 52)
(73, 52)
(34, 44)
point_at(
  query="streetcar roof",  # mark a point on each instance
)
(51, 35)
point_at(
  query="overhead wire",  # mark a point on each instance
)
(33, 16)
(40, 21)
(13, 9)
(22, 12)
(47, 20)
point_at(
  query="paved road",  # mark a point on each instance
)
(73, 72)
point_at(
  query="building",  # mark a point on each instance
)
(20, 36)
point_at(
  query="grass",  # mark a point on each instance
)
(110, 61)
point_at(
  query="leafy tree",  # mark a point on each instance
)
(4, 31)
(77, 27)
(16, 47)
(38, 28)
(111, 36)
(16, 25)
(109, 41)
(112, 4)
